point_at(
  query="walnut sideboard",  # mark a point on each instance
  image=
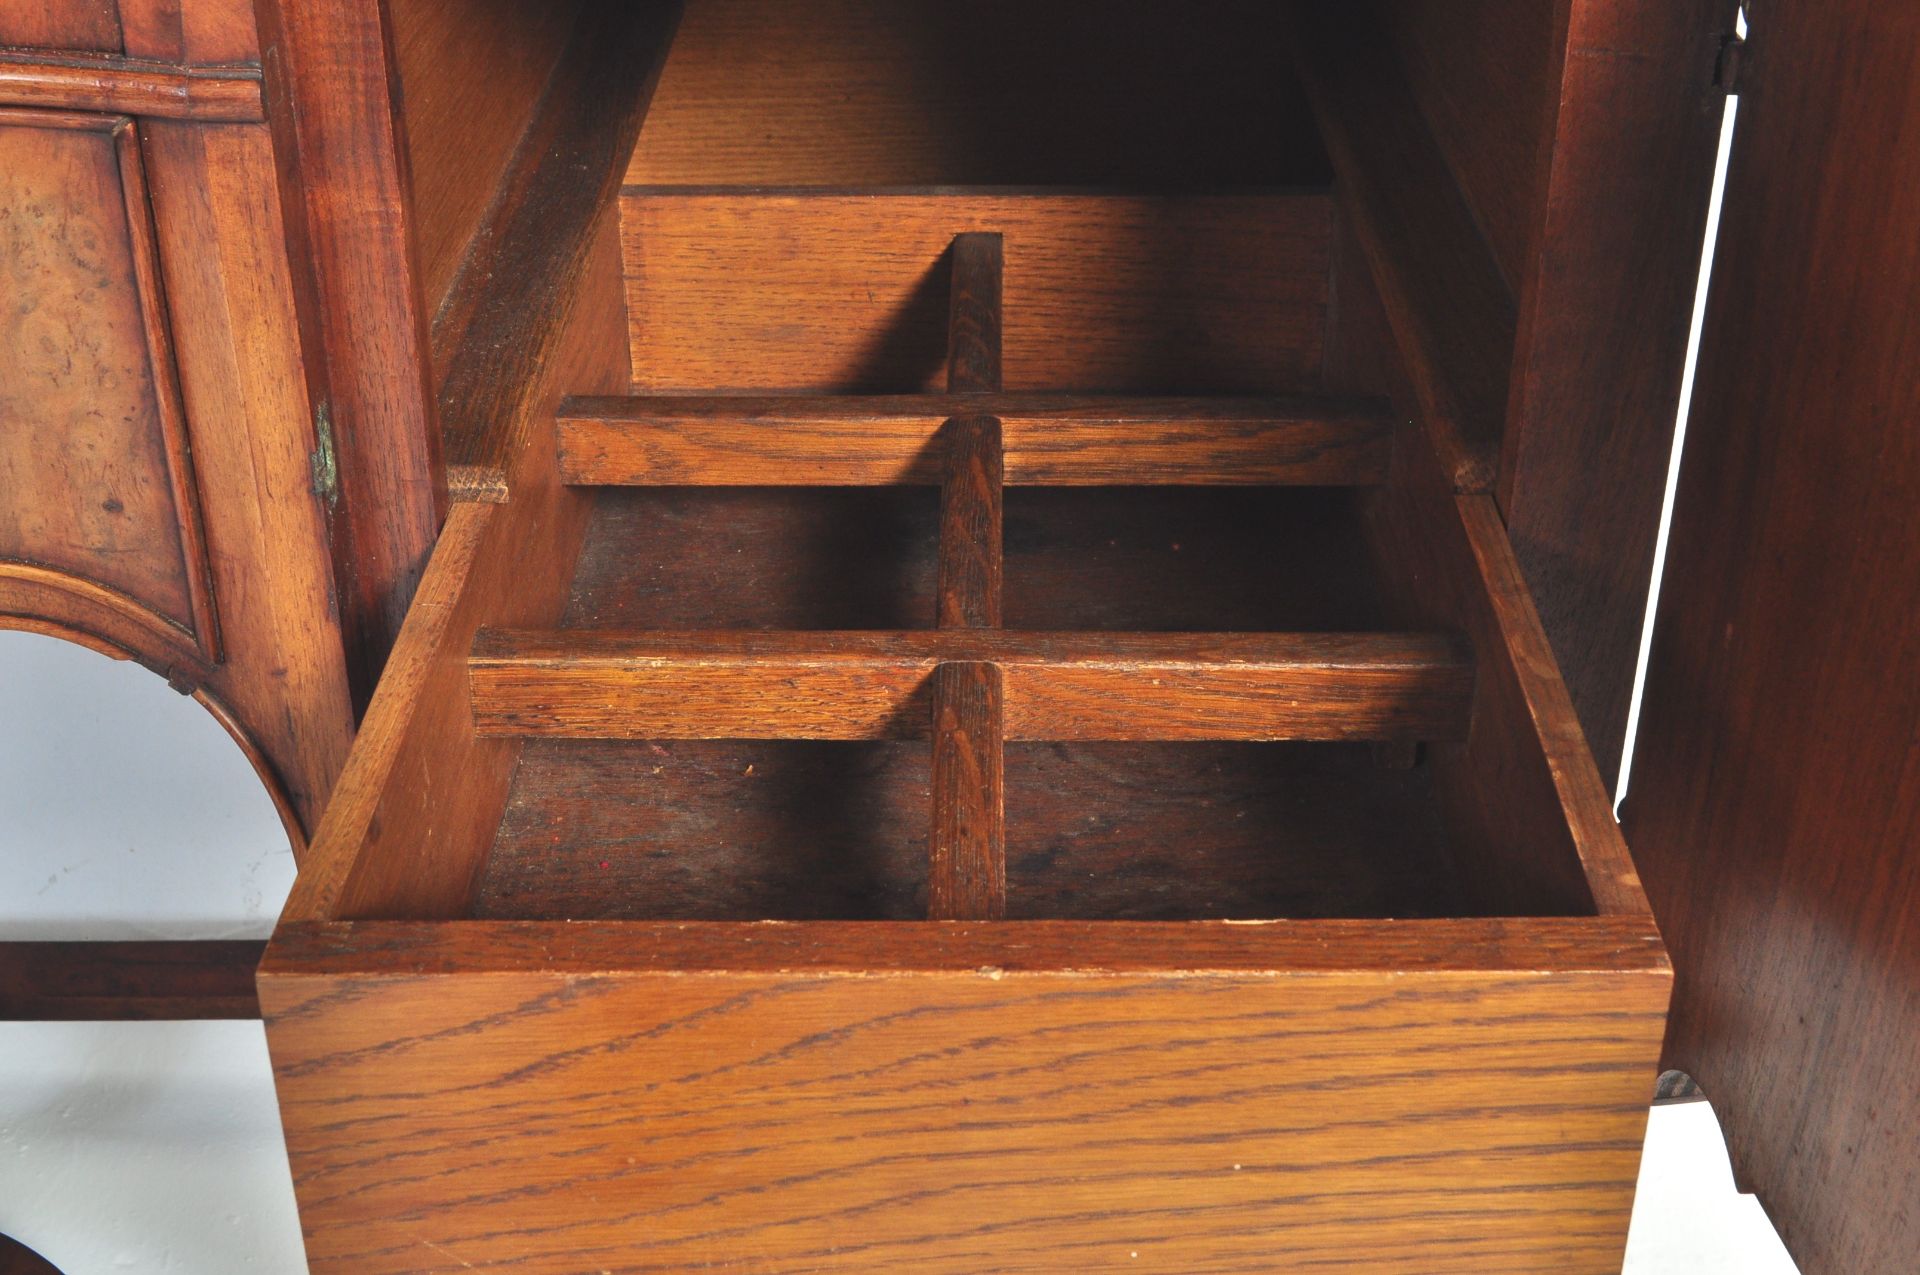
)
(996, 636)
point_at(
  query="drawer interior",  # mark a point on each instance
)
(1217, 538)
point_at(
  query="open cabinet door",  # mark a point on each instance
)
(1774, 805)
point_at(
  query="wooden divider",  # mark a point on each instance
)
(967, 874)
(1050, 440)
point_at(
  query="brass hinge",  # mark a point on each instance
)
(324, 463)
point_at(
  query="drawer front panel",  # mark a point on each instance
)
(94, 461)
(966, 1121)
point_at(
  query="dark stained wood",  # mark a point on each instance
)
(1606, 299)
(1449, 310)
(879, 93)
(967, 874)
(504, 312)
(970, 525)
(17, 1259)
(752, 830)
(1394, 1094)
(104, 82)
(758, 685)
(1774, 804)
(1049, 440)
(80, 981)
(342, 162)
(1106, 292)
(1157, 559)
(209, 33)
(974, 314)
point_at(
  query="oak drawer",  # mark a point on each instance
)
(1285, 921)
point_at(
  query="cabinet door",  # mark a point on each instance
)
(99, 516)
(1774, 807)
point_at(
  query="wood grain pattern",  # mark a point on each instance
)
(283, 683)
(735, 684)
(1775, 796)
(1033, 1097)
(341, 158)
(840, 291)
(737, 830)
(126, 982)
(190, 32)
(62, 24)
(95, 458)
(1449, 309)
(967, 849)
(970, 568)
(407, 831)
(916, 93)
(472, 74)
(1606, 299)
(1048, 440)
(121, 85)
(499, 327)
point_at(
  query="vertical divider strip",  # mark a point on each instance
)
(968, 870)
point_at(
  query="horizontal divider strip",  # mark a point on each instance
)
(1057, 686)
(1051, 440)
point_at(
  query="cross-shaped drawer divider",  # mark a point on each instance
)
(970, 684)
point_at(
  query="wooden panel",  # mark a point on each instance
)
(341, 158)
(967, 584)
(736, 684)
(124, 982)
(93, 448)
(283, 685)
(471, 75)
(916, 92)
(1606, 299)
(1487, 75)
(1775, 798)
(1449, 311)
(62, 24)
(1048, 440)
(503, 317)
(105, 83)
(195, 32)
(1410, 1097)
(741, 830)
(967, 849)
(407, 829)
(1141, 294)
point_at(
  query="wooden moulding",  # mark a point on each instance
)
(744, 684)
(90, 981)
(130, 86)
(1051, 440)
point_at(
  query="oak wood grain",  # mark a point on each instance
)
(129, 981)
(967, 849)
(1451, 1096)
(1048, 440)
(499, 326)
(874, 93)
(842, 291)
(734, 684)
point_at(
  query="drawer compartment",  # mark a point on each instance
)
(971, 797)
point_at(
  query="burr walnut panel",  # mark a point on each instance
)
(94, 455)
